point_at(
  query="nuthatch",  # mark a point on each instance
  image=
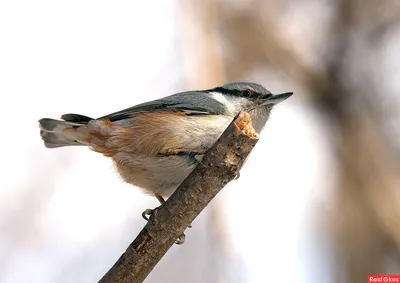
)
(155, 145)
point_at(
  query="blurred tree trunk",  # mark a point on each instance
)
(366, 219)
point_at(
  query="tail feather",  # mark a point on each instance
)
(52, 140)
(70, 131)
(76, 118)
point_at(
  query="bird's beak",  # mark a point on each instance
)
(278, 98)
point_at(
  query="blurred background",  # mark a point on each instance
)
(319, 198)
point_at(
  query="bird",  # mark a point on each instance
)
(155, 145)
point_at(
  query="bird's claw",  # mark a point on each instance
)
(237, 176)
(147, 213)
(181, 239)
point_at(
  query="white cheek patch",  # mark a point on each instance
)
(230, 108)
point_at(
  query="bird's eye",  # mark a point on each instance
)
(247, 93)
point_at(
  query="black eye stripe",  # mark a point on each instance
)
(227, 91)
(234, 92)
(246, 92)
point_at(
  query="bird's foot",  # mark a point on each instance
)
(147, 213)
(181, 239)
(237, 176)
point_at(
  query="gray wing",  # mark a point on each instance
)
(190, 103)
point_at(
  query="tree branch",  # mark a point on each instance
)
(218, 167)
